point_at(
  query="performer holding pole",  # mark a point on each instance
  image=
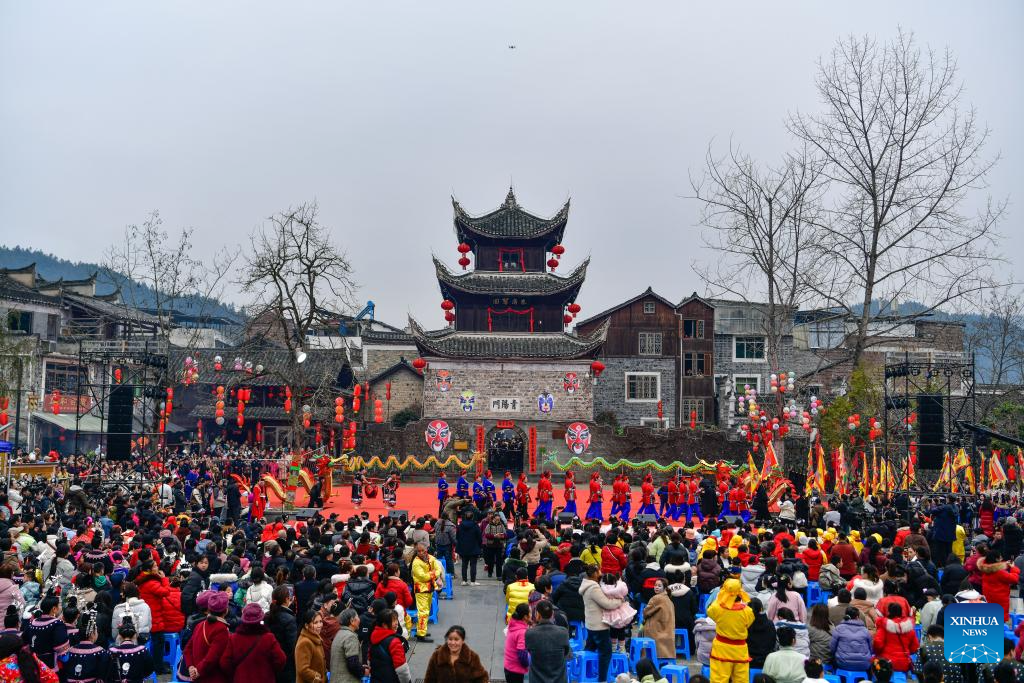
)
(675, 497)
(596, 499)
(462, 486)
(544, 496)
(693, 500)
(663, 497)
(478, 492)
(358, 479)
(489, 491)
(522, 497)
(616, 496)
(738, 502)
(626, 496)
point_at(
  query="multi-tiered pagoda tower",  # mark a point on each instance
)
(505, 372)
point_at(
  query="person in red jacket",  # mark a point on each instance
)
(394, 583)
(738, 502)
(252, 653)
(647, 496)
(895, 639)
(174, 618)
(844, 557)
(672, 488)
(154, 590)
(523, 496)
(813, 558)
(617, 497)
(204, 649)
(596, 498)
(692, 500)
(613, 560)
(570, 493)
(997, 577)
(387, 656)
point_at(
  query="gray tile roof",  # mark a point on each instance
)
(513, 283)
(12, 290)
(322, 366)
(449, 343)
(509, 221)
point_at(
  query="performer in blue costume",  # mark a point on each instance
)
(462, 486)
(442, 492)
(478, 493)
(508, 493)
(545, 495)
(489, 491)
(663, 505)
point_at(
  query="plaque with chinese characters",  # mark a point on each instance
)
(505, 405)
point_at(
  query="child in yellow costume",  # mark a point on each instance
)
(730, 661)
(427, 577)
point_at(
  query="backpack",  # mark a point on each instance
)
(829, 578)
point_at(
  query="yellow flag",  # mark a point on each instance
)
(755, 477)
(960, 462)
(821, 469)
(969, 476)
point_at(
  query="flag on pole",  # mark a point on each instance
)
(771, 462)
(969, 477)
(811, 478)
(755, 477)
(960, 462)
(866, 480)
(911, 465)
(982, 472)
(996, 473)
(822, 472)
(874, 469)
(890, 479)
(840, 471)
(944, 478)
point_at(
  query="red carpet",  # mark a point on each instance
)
(418, 499)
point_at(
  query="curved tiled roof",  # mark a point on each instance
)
(509, 221)
(450, 343)
(511, 284)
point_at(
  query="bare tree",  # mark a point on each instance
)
(761, 224)
(299, 281)
(905, 160)
(997, 342)
(175, 279)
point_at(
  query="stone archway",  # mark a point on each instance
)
(506, 449)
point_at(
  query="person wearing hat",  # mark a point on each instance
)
(427, 577)
(490, 492)
(596, 498)
(462, 486)
(730, 660)
(252, 653)
(508, 491)
(204, 649)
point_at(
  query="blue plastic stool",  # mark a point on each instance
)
(172, 647)
(753, 672)
(618, 665)
(705, 671)
(848, 676)
(683, 642)
(675, 673)
(1016, 619)
(813, 592)
(702, 602)
(587, 668)
(577, 641)
(640, 614)
(449, 591)
(637, 648)
(366, 679)
(435, 609)
(917, 632)
(832, 678)
(899, 677)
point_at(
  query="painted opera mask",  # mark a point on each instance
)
(571, 382)
(545, 403)
(466, 400)
(443, 380)
(577, 437)
(438, 435)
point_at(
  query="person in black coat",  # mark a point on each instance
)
(761, 504)
(281, 621)
(568, 599)
(761, 640)
(469, 544)
(198, 580)
(234, 499)
(953, 576)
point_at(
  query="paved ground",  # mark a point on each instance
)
(481, 611)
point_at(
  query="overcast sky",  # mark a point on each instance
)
(219, 114)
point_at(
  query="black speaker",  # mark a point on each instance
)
(119, 423)
(647, 519)
(566, 517)
(733, 519)
(931, 431)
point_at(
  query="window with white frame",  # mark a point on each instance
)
(691, 406)
(693, 329)
(650, 343)
(739, 381)
(643, 387)
(648, 307)
(748, 348)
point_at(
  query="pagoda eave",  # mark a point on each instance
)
(452, 344)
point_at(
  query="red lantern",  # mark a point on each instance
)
(661, 411)
(419, 364)
(356, 404)
(447, 305)
(558, 250)
(566, 318)
(387, 391)
(117, 375)
(597, 367)
(693, 419)
(552, 264)
(3, 419)
(449, 316)
(464, 262)
(574, 308)
(357, 390)
(465, 248)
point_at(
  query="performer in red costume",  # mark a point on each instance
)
(545, 495)
(738, 502)
(647, 496)
(675, 500)
(570, 493)
(596, 498)
(617, 496)
(626, 496)
(522, 497)
(692, 499)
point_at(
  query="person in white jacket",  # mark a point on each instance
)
(135, 607)
(260, 590)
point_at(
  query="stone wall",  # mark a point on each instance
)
(610, 392)
(475, 385)
(379, 358)
(406, 391)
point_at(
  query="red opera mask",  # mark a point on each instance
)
(438, 435)
(571, 382)
(577, 437)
